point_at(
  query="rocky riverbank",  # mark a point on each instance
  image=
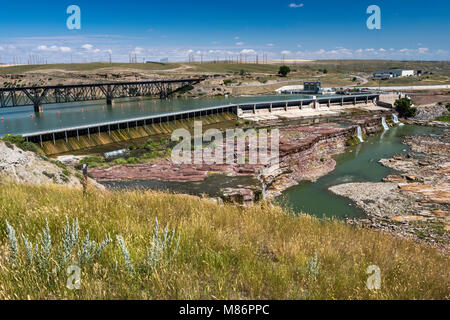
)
(413, 202)
(430, 113)
(21, 166)
(305, 154)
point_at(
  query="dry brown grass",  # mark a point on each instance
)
(226, 252)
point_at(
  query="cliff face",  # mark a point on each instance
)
(28, 167)
(306, 152)
(430, 113)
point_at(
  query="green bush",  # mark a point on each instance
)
(404, 108)
(120, 161)
(21, 143)
(444, 118)
(151, 155)
(133, 161)
(151, 145)
(284, 71)
(91, 162)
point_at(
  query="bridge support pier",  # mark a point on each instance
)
(37, 107)
(109, 101)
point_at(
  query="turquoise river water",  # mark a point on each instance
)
(359, 164)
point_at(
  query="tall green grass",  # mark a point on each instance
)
(224, 252)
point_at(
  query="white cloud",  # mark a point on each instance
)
(87, 47)
(54, 48)
(45, 48)
(286, 52)
(294, 5)
(236, 38)
(248, 51)
(240, 43)
(423, 50)
(1, 48)
(271, 45)
(299, 46)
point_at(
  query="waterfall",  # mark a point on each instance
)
(360, 136)
(396, 121)
(385, 125)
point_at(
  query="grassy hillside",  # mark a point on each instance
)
(370, 66)
(224, 252)
(235, 67)
(88, 67)
(332, 66)
(414, 81)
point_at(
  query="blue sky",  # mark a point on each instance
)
(152, 30)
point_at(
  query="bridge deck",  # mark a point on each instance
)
(38, 96)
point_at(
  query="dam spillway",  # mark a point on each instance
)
(117, 117)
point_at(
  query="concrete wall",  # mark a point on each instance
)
(388, 100)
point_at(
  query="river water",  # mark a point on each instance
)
(359, 164)
(22, 120)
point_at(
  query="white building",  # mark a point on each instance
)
(393, 73)
(290, 90)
